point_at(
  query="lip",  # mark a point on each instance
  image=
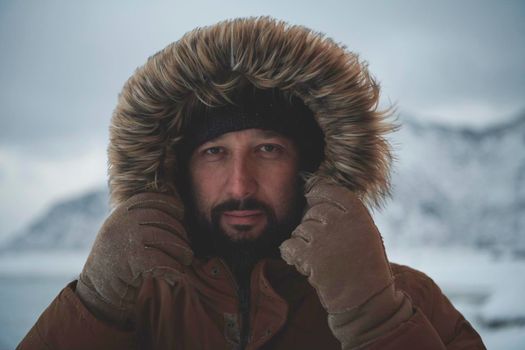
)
(242, 213)
(243, 217)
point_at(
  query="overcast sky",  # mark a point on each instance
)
(62, 64)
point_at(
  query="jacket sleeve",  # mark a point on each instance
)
(435, 324)
(67, 324)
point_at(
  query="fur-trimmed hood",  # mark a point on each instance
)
(206, 65)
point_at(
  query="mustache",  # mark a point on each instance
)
(242, 204)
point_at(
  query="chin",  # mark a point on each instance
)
(243, 233)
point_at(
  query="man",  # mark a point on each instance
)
(241, 159)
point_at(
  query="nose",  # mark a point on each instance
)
(242, 181)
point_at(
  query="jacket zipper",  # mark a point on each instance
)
(244, 310)
(243, 296)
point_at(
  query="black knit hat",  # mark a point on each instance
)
(267, 109)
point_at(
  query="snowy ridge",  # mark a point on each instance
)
(458, 186)
(70, 224)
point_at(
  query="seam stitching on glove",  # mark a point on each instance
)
(329, 200)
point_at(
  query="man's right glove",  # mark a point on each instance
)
(143, 237)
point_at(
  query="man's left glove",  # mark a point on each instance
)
(142, 237)
(338, 247)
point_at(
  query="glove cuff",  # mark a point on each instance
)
(361, 325)
(101, 308)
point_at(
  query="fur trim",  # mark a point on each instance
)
(206, 64)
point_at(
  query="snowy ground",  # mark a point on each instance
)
(488, 290)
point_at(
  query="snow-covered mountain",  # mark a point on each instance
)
(69, 224)
(458, 186)
(451, 186)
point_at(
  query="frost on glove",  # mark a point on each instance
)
(143, 237)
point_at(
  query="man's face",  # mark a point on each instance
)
(245, 182)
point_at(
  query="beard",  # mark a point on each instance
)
(208, 239)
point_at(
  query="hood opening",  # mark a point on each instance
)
(208, 64)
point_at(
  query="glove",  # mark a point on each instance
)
(142, 237)
(338, 247)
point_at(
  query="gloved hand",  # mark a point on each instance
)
(338, 247)
(143, 236)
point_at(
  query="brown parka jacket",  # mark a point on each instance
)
(200, 310)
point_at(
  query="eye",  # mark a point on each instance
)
(213, 150)
(213, 153)
(269, 150)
